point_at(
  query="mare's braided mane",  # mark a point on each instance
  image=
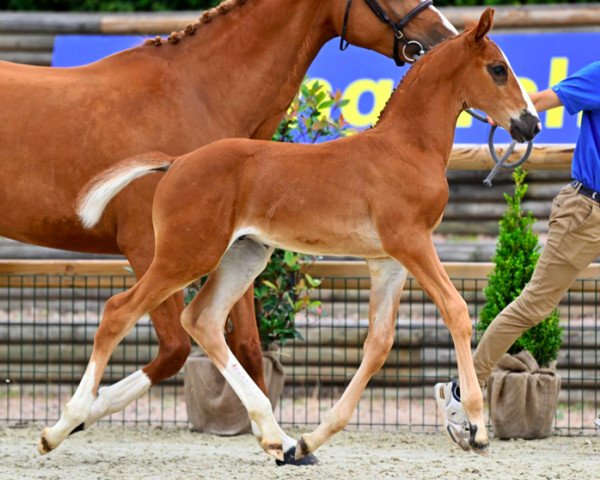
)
(207, 17)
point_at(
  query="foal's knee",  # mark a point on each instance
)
(379, 344)
(457, 318)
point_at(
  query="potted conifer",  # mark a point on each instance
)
(523, 389)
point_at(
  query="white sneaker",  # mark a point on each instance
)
(597, 421)
(455, 419)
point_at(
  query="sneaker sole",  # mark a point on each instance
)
(452, 432)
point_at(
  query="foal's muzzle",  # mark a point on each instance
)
(525, 127)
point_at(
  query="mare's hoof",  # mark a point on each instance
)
(289, 458)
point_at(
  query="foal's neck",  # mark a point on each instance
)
(263, 49)
(423, 110)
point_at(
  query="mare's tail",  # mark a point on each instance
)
(100, 190)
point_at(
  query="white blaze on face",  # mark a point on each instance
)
(444, 20)
(530, 108)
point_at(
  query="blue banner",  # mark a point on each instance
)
(367, 79)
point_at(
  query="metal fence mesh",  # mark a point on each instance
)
(47, 324)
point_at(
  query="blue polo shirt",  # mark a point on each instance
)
(581, 93)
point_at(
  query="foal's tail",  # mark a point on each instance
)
(100, 190)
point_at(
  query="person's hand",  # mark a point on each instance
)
(490, 120)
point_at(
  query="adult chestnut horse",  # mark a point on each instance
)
(380, 194)
(233, 74)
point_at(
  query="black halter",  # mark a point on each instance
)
(397, 28)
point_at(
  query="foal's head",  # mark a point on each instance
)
(489, 83)
(426, 26)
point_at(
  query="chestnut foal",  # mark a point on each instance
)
(223, 208)
(62, 127)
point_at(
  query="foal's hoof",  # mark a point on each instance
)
(44, 446)
(302, 449)
(289, 458)
(276, 450)
(479, 447)
(482, 449)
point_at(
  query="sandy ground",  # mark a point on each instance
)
(127, 453)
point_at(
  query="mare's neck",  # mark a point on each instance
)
(423, 110)
(248, 64)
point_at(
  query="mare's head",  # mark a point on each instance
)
(488, 83)
(395, 28)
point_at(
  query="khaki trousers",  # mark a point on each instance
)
(573, 243)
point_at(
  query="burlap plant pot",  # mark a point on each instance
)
(522, 397)
(212, 405)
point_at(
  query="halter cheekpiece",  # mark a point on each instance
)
(397, 28)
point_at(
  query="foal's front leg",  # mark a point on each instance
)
(422, 261)
(387, 281)
(204, 319)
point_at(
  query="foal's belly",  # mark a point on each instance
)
(360, 241)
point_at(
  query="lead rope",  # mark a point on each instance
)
(500, 163)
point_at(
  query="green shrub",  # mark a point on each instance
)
(517, 252)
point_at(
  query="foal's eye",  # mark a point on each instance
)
(499, 70)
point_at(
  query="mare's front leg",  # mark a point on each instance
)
(387, 281)
(421, 259)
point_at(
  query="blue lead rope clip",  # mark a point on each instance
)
(500, 163)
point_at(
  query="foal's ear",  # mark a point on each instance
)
(486, 21)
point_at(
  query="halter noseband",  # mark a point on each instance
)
(397, 28)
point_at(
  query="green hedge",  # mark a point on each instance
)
(156, 5)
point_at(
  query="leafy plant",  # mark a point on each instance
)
(280, 293)
(314, 116)
(517, 253)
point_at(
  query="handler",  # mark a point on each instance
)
(573, 243)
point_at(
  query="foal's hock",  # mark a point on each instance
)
(379, 194)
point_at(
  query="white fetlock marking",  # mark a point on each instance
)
(76, 410)
(116, 397)
(250, 395)
(255, 401)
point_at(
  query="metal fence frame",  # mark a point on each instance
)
(35, 329)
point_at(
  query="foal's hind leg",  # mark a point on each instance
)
(422, 261)
(173, 349)
(387, 281)
(120, 315)
(205, 319)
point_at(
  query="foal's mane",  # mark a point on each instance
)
(412, 75)
(223, 8)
